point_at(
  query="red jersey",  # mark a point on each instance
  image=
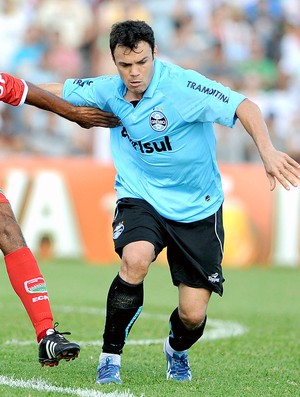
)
(12, 90)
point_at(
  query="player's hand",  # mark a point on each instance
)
(88, 117)
(281, 167)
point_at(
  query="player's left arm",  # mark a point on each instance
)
(278, 165)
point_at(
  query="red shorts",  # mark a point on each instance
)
(3, 199)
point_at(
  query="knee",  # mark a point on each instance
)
(192, 318)
(134, 267)
(136, 259)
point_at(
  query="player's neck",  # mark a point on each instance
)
(131, 96)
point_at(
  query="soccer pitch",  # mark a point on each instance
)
(251, 345)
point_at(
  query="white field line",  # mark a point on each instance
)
(220, 328)
(216, 329)
(41, 385)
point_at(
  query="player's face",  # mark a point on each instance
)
(136, 68)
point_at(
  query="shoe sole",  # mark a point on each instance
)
(107, 381)
(67, 355)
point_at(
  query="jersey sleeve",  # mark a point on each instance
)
(84, 92)
(12, 90)
(206, 100)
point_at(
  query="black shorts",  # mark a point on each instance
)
(194, 250)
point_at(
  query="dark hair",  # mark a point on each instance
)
(129, 33)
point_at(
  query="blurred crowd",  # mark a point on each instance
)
(252, 46)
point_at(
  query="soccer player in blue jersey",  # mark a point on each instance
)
(168, 185)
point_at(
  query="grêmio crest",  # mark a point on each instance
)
(158, 121)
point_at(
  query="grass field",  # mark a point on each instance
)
(251, 347)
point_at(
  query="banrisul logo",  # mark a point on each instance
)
(149, 147)
(158, 121)
(36, 285)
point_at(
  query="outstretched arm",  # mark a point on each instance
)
(278, 165)
(15, 91)
(86, 117)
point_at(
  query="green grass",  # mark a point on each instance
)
(263, 362)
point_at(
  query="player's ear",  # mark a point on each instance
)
(155, 51)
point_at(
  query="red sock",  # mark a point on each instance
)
(29, 284)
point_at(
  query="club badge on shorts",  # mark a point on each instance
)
(118, 230)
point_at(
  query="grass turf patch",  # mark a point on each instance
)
(262, 362)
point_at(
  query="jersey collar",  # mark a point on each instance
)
(155, 79)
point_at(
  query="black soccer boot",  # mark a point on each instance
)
(55, 347)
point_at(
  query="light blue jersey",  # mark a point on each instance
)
(165, 153)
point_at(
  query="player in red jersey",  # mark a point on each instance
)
(22, 268)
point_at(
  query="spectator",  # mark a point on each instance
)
(13, 22)
(107, 13)
(241, 43)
